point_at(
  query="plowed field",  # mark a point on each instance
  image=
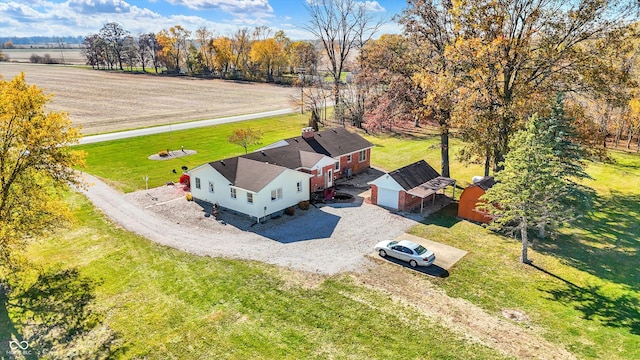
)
(102, 101)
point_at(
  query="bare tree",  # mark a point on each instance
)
(114, 34)
(145, 49)
(341, 26)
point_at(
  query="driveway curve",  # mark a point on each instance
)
(325, 240)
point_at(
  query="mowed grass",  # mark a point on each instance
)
(125, 163)
(166, 304)
(584, 288)
(583, 292)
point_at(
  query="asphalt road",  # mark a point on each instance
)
(180, 126)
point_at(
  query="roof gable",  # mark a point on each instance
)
(414, 174)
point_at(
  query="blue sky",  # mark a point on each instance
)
(23, 18)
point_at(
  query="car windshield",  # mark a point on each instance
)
(392, 243)
(420, 249)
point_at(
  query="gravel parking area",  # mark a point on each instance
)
(327, 239)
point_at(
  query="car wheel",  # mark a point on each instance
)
(382, 253)
(413, 263)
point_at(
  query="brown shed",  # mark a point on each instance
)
(470, 197)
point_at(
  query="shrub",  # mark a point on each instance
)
(189, 197)
(290, 211)
(304, 205)
(163, 153)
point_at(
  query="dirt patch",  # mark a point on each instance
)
(458, 314)
(515, 315)
(173, 154)
(103, 101)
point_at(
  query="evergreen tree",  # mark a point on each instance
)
(527, 185)
(575, 199)
(539, 186)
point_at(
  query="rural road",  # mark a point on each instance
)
(180, 126)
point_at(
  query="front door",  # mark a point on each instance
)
(328, 179)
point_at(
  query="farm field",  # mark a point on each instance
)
(71, 56)
(103, 101)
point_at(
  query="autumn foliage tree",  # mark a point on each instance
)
(35, 165)
(245, 138)
(174, 46)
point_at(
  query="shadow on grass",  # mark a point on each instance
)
(52, 317)
(446, 217)
(595, 304)
(432, 270)
(609, 247)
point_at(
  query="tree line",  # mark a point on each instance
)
(482, 68)
(257, 54)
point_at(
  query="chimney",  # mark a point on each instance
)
(307, 133)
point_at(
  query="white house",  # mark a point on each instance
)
(250, 187)
(282, 174)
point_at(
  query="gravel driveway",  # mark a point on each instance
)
(329, 239)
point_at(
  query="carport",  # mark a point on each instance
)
(431, 188)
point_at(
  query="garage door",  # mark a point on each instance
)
(388, 198)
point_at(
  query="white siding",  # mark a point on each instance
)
(288, 181)
(262, 205)
(207, 174)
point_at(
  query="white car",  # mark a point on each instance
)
(414, 254)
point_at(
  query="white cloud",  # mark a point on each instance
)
(230, 6)
(374, 6)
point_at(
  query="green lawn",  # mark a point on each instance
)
(583, 292)
(392, 152)
(165, 304)
(124, 163)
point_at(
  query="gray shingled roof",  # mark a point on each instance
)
(254, 175)
(414, 174)
(255, 170)
(485, 183)
(246, 173)
(333, 142)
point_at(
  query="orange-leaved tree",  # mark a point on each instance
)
(245, 138)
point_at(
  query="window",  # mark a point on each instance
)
(250, 198)
(276, 194)
(234, 195)
(299, 186)
(362, 156)
(349, 158)
(211, 188)
(337, 167)
(197, 183)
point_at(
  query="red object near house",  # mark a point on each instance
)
(185, 180)
(470, 198)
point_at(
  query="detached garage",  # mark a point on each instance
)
(408, 187)
(470, 198)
